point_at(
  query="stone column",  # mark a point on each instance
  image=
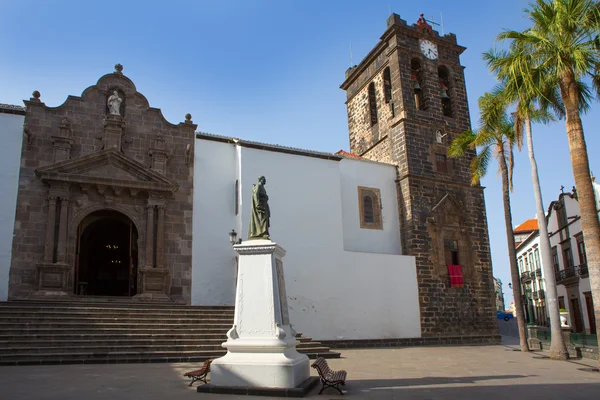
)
(61, 256)
(150, 236)
(49, 243)
(160, 237)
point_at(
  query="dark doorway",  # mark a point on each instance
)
(577, 324)
(106, 255)
(589, 304)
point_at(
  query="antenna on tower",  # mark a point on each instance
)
(442, 22)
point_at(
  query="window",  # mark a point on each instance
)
(369, 200)
(536, 258)
(581, 249)
(372, 104)
(561, 302)
(521, 265)
(387, 85)
(444, 81)
(531, 263)
(441, 163)
(555, 259)
(368, 210)
(568, 257)
(416, 78)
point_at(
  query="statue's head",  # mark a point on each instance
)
(262, 179)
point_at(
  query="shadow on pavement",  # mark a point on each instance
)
(398, 389)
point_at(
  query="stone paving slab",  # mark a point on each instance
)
(465, 372)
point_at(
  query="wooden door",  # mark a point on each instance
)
(589, 304)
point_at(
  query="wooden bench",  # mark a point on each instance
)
(199, 374)
(329, 378)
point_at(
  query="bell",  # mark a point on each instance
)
(416, 86)
(445, 94)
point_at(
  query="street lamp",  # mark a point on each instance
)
(510, 285)
(233, 238)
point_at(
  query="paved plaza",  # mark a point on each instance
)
(465, 372)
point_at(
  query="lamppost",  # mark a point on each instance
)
(233, 238)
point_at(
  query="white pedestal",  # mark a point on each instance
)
(261, 345)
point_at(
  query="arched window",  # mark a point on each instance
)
(444, 82)
(387, 85)
(368, 210)
(372, 104)
(416, 81)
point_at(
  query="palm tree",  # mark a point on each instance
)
(510, 70)
(563, 49)
(496, 137)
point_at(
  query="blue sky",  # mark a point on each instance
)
(262, 70)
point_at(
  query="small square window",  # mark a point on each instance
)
(369, 204)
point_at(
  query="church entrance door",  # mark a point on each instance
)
(107, 255)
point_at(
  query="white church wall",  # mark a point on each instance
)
(11, 131)
(332, 293)
(213, 260)
(355, 173)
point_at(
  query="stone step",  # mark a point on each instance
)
(33, 330)
(82, 320)
(6, 346)
(54, 359)
(75, 305)
(66, 333)
(97, 348)
(114, 325)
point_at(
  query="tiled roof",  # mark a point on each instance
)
(527, 226)
(266, 146)
(346, 154)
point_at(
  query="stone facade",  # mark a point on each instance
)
(81, 160)
(438, 205)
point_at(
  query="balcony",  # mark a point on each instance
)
(538, 272)
(571, 274)
(539, 295)
(527, 276)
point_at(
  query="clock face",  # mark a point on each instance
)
(429, 49)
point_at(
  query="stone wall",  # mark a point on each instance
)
(81, 160)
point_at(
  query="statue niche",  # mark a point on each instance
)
(115, 102)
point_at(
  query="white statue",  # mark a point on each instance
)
(114, 103)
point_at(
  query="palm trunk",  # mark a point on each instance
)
(558, 350)
(512, 254)
(585, 189)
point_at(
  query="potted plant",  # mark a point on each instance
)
(564, 315)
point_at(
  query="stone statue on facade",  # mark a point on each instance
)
(114, 103)
(260, 213)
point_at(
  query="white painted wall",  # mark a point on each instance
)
(11, 132)
(356, 173)
(213, 260)
(332, 293)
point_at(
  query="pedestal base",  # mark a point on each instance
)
(299, 391)
(287, 369)
(156, 285)
(53, 280)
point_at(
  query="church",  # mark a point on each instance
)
(105, 197)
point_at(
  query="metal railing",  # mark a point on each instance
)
(580, 271)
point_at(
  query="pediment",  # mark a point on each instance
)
(107, 168)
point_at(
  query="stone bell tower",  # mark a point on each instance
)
(406, 102)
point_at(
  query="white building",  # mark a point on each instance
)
(344, 279)
(11, 131)
(569, 264)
